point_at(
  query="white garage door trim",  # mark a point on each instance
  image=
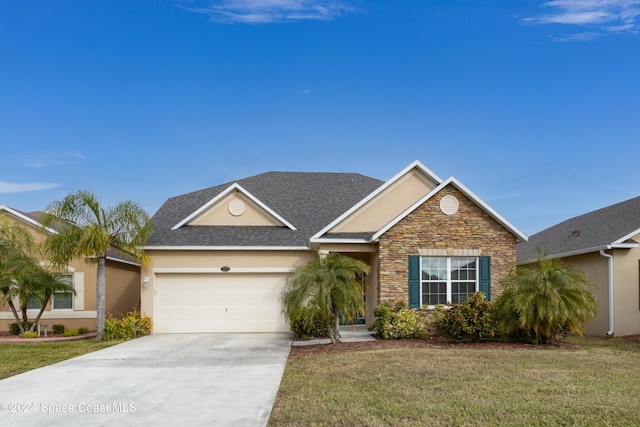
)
(210, 301)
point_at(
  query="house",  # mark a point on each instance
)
(122, 280)
(605, 245)
(221, 255)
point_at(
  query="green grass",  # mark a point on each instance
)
(596, 383)
(16, 358)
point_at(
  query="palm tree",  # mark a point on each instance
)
(86, 229)
(22, 277)
(48, 283)
(332, 285)
(546, 299)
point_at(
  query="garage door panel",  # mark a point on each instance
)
(218, 303)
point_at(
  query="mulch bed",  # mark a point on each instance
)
(432, 342)
(9, 338)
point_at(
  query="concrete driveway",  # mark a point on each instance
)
(199, 379)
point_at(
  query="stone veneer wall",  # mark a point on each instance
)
(429, 228)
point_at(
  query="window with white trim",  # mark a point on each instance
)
(63, 300)
(59, 300)
(448, 279)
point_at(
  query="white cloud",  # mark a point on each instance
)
(53, 158)
(270, 11)
(601, 16)
(8, 187)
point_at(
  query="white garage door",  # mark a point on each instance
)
(218, 303)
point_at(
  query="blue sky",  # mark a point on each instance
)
(533, 105)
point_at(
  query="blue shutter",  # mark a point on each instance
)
(485, 276)
(414, 281)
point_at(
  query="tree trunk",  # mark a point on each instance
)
(24, 314)
(336, 331)
(35, 322)
(330, 332)
(15, 314)
(100, 297)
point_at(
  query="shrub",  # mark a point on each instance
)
(470, 321)
(541, 301)
(14, 328)
(310, 322)
(58, 329)
(70, 332)
(131, 325)
(83, 330)
(393, 322)
(29, 335)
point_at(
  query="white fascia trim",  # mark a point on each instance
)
(239, 188)
(253, 270)
(27, 219)
(321, 240)
(227, 248)
(55, 314)
(624, 245)
(466, 192)
(123, 261)
(627, 237)
(415, 164)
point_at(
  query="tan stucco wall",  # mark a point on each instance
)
(626, 291)
(596, 269)
(123, 288)
(429, 228)
(219, 214)
(383, 208)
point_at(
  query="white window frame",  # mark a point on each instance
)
(448, 280)
(53, 297)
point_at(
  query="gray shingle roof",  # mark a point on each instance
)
(591, 231)
(307, 200)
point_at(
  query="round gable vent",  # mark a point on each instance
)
(449, 205)
(236, 207)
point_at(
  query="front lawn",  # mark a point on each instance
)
(588, 382)
(16, 358)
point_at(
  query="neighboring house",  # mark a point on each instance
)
(122, 292)
(221, 255)
(605, 245)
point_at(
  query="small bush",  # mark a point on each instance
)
(471, 321)
(29, 335)
(310, 322)
(83, 330)
(58, 329)
(131, 325)
(70, 332)
(393, 322)
(14, 328)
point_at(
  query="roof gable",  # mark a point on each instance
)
(27, 218)
(385, 203)
(475, 199)
(307, 200)
(236, 208)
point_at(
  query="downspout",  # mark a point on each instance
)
(611, 305)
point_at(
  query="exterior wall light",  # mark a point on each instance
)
(145, 282)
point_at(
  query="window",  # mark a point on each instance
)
(59, 300)
(447, 279)
(63, 300)
(33, 304)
